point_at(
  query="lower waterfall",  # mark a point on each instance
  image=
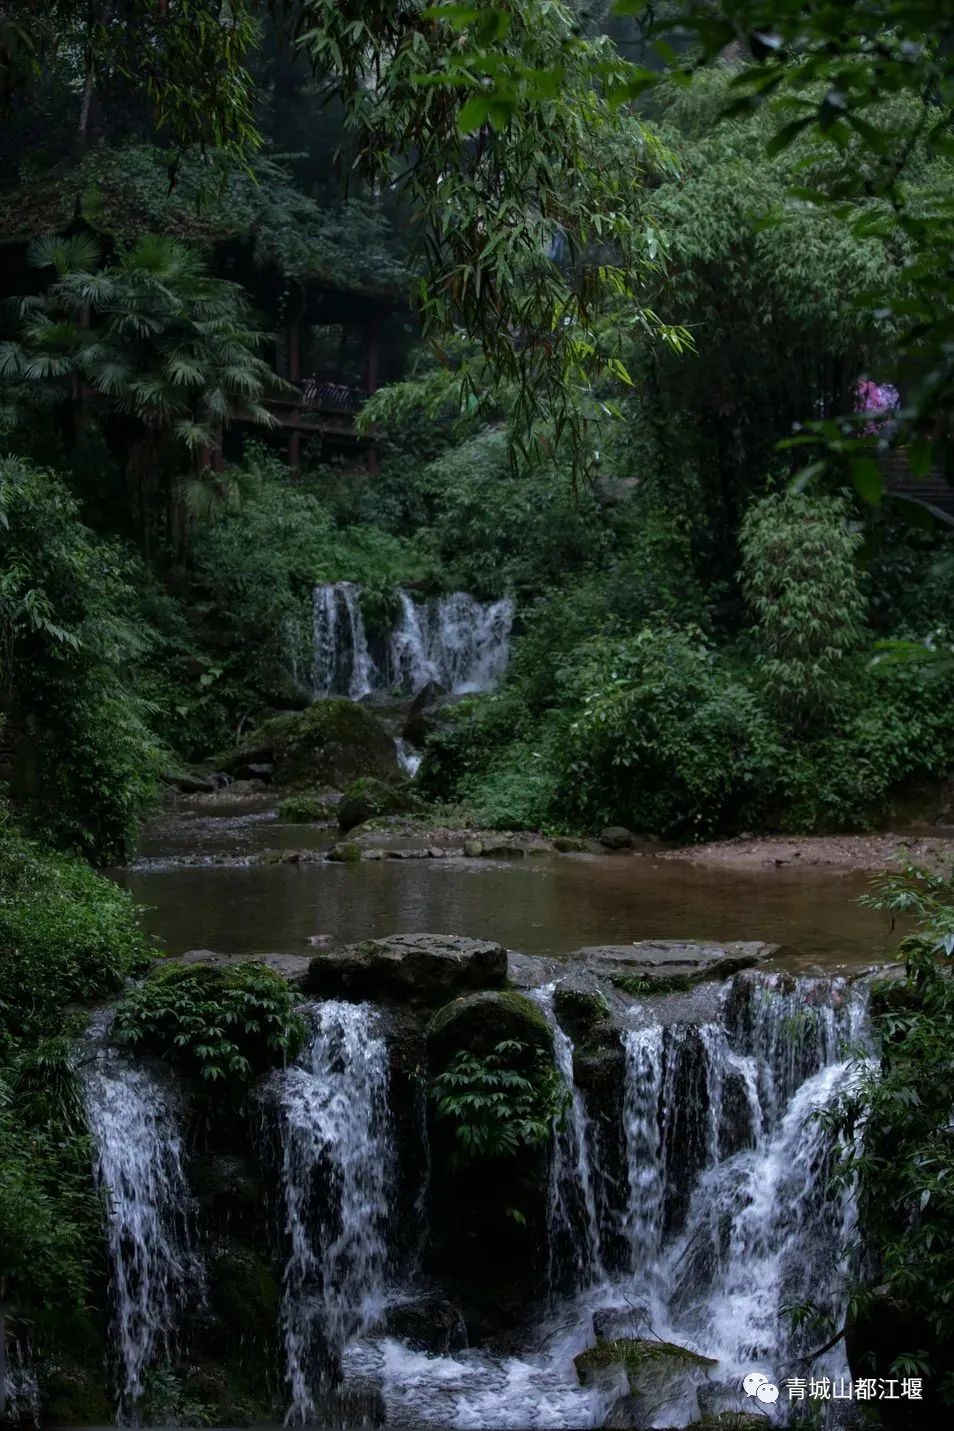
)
(138, 1162)
(572, 1224)
(336, 1171)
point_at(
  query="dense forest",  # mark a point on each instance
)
(631, 323)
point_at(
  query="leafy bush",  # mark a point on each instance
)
(668, 738)
(799, 577)
(222, 1024)
(65, 934)
(500, 1102)
(85, 763)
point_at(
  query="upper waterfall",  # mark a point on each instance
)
(455, 641)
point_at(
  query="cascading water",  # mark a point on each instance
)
(342, 664)
(336, 1175)
(572, 1222)
(138, 1162)
(456, 642)
(731, 1217)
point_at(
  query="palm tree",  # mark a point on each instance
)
(153, 336)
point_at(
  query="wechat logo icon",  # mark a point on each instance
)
(758, 1385)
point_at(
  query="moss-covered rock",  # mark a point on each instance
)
(333, 742)
(410, 968)
(580, 1011)
(648, 1377)
(75, 1395)
(306, 810)
(635, 1354)
(479, 1022)
(221, 1024)
(347, 853)
(370, 798)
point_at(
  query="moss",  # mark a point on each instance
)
(569, 844)
(479, 1021)
(370, 799)
(305, 810)
(580, 1010)
(244, 1295)
(636, 1353)
(346, 854)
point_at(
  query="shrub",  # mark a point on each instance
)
(799, 578)
(668, 738)
(86, 765)
(65, 934)
(216, 1023)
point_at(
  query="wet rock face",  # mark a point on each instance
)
(649, 1378)
(415, 968)
(671, 964)
(429, 1323)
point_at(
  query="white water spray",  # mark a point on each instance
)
(336, 1175)
(138, 1161)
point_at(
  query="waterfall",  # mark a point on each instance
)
(572, 1223)
(336, 1174)
(456, 642)
(409, 659)
(467, 643)
(731, 1214)
(342, 664)
(138, 1162)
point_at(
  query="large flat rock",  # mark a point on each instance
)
(668, 963)
(418, 968)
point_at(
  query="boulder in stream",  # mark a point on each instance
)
(333, 742)
(656, 965)
(417, 968)
(369, 798)
(650, 1378)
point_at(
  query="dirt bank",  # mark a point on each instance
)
(934, 851)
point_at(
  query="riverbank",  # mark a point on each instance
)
(932, 850)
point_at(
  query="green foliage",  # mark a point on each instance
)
(564, 169)
(85, 765)
(800, 581)
(216, 1023)
(501, 1102)
(667, 738)
(897, 1121)
(304, 810)
(66, 934)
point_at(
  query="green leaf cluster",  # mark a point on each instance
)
(217, 1024)
(501, 1102)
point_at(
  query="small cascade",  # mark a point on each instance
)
(572, 1221)
(409, 759)
(19, 1390)
(455, 642)
(410, 665)
(642, 1219)
(138, 1162)
(336, 1174)
(467, 642)
(342, 664)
